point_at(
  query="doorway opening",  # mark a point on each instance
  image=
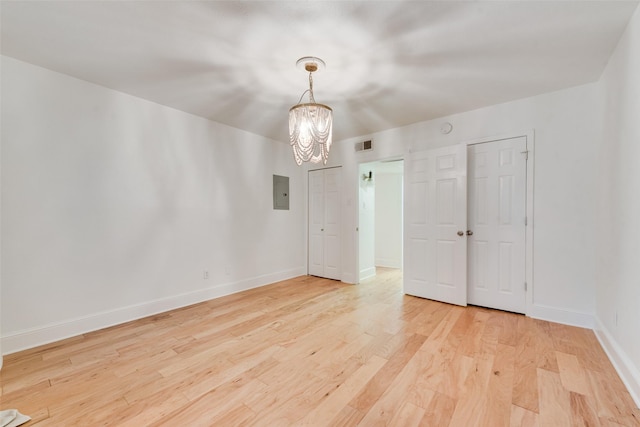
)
(380, 217)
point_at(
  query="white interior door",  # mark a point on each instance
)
(316, 223)
(435, 245)
(496, 217)
(324, 223)
(332, 194)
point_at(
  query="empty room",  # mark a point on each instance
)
(323, 213)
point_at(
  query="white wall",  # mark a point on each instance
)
(113, 207)
(566, 157)
(388, 214)
(618, 232)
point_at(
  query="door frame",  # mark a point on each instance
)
(358, 203)
(529, 200)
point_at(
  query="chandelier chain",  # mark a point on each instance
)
(311, 88)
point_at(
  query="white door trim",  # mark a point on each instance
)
(529, 135)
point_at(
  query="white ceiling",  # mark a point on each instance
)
(389, 63)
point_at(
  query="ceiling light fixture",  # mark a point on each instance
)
(310, 124)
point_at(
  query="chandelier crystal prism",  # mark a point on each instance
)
(310, 124)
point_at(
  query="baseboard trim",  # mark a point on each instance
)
(559, 315)
(367, 273)
(388, 263)
(628, 373)
(35, 337)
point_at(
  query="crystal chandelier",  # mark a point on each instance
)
(310, 124)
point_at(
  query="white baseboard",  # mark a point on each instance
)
(389, 263)
(34, 337)
(367, 273)
(559, 315)
(624, 366)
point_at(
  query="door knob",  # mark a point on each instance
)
(460, 233)
(469, 233)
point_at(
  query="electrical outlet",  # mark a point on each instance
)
(205, 274)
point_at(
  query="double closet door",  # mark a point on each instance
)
(325, 189)
(465, 224)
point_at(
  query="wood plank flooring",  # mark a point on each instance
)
(316, 352)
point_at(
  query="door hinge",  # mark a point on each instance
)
(526, 220)
(525, 286)
(526, 154)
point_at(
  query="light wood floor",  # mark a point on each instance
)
(311, 351)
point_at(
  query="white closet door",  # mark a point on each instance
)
(332, 241)
(435, 244)
(496, 217)
(325, 188)
(316, 223)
